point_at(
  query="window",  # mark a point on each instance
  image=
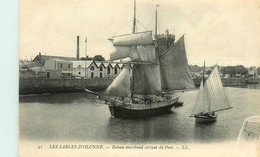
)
(48, 74)
(60, 65)
(91, 68)
(92, 75)
(79, 73)
(69, 66)
(101, 68)
(68, 74)
(115, 70)
(108, 70)
(101, 75)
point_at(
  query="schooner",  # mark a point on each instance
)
(145, 86)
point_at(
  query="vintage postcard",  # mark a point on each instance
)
(139, 78)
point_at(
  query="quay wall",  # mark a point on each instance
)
(44, 85)
(232, 81)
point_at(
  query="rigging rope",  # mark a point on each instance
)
(142, 25)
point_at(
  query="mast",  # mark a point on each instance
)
(155, 30)
(203, 79)
(156, 45)
(133, 31)
(86, 57)
(134, 22)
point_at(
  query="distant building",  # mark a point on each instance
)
(57, 68)
(238, 75)
(252, 72)
(28, 69)
(40, 59)
(165, 41)
(65, 67)
(96, 69)
(81, 68)
(195, 71)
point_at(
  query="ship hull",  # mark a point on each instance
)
(205, 119)
(128, 113)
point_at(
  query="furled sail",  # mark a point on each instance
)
(146, 79)
(175, 70)
(211, 95)
(121, 85)
(142, 38)
(120, 52)
(138, 47)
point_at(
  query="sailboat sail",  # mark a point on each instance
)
(213, 96)
(120, 52)
(143, 53)
(175, 70)
(201, 101)
(147, 79)
(121, 85)
(216, 95)
(142, 38)
(138, 47)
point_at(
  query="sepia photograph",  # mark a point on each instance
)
(139, 78)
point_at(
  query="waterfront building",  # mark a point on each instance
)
(101, 70)
(252, 72)
(96, 69)
(41, 59)
(45, 66)
(195, 71)
(57, 68)
(81, 68)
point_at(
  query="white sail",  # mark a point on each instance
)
(142, 38)
(138, 47)
(216, 96)
(143, 53)
(120, 52)
(211, 95)
(121, 85)
(201, 101)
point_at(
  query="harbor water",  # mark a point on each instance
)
(77, 117)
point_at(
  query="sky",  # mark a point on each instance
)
(222, 32)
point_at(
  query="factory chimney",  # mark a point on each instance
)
(77, 47)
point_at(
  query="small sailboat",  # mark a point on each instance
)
(211, 98)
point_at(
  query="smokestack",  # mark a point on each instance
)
(77, 47)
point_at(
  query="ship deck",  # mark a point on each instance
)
(140, 106)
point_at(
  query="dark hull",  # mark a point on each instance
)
(201, 119)
(121, 112)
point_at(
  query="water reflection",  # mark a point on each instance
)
(140, 130)
(202, 130)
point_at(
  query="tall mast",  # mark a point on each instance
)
(134, 22)
(133, 31)
(203, 79)
(155, 31)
